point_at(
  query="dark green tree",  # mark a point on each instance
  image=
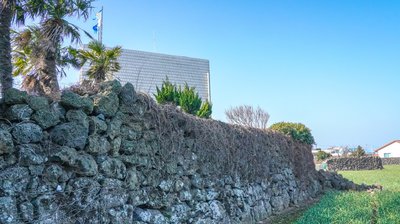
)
(189, 100)
(168, 93)
(359, 152)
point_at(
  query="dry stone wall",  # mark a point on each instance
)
(391, 161)
(355, 163)
(114, 156)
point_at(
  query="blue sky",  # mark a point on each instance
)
(332, 65)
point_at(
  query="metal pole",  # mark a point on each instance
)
(101, 26)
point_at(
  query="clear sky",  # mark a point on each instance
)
(332, 65)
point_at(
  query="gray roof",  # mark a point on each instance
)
(146, 70)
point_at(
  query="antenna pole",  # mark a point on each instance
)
(100, 37)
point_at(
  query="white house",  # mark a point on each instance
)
(392, 149)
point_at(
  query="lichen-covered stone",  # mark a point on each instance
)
(70, 134)
(6, 142)
(113, 194)
(27, 133)
(106, 104)
(122, 214)
(46, 118)
(78, 117)
(8, 210)
(58, 109)
(30, 154)
(113, 86)
(97, 125)
(97, 145)
(133, 160)
(127, 98)
(180, 213)
(132, 180)
(27, 211)
(7, 160)
(166, 185)
(139, 197)
(48, 210)
(83, 163)
(113, 168)
(116, 146)
(19, 112)
(148, 216)
(114, 128)
(71, 100)
(55, 173)
(85, 193)
(135, 147)
(38, 102)
(15, 96)
(14, 180)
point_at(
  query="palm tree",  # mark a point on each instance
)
(103, 62)
(11, 10)
(54, 28)
(28, 56)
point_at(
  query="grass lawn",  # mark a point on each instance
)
(360, 207)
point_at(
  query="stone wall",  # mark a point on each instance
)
(116, 157)
(391, 161)
(355, 163)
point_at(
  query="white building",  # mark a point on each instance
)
(392, 149)
(146, 70)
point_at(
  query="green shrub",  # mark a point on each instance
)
(205, 110)
(167, 94)
(321, 155)
(189, 100)
(297, 131)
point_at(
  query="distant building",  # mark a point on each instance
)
(146, 70)
(391, 149)
(337, 150)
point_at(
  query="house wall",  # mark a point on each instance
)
(146, 70)
(393, 149)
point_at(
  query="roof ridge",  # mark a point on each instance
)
(376, 150)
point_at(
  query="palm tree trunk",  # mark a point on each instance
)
(48, 76)
(49, 80)
(5, 47)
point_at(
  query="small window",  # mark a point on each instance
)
(386, 155)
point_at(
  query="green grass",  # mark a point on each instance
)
(389, 177)
(360, 207)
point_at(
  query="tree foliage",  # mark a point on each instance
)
(321, 156)
(248, 116)
(359, 152)
(168, 93)
(189, 100)
(186, 98)
(297, 131)
(11, 11)
(40, 55)
(103, 62)
(28, 59)
(205, 110)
